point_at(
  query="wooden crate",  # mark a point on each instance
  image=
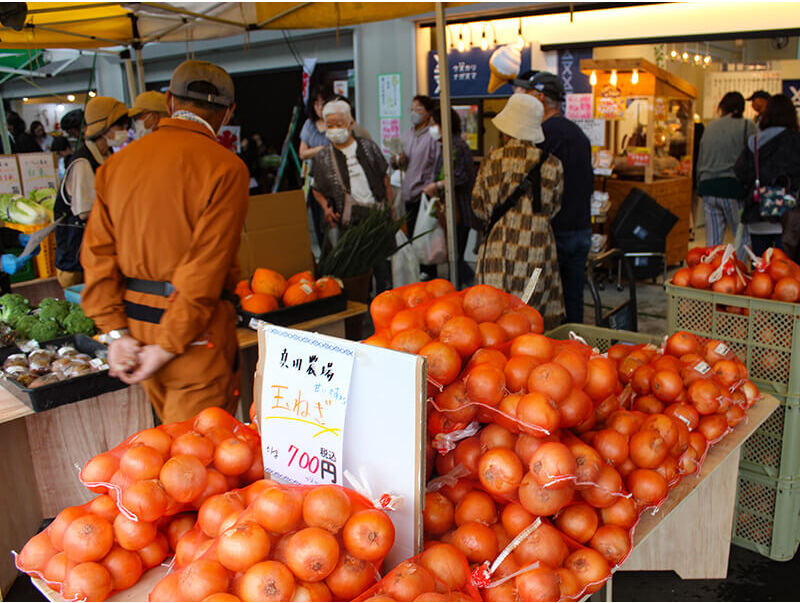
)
(674, 194)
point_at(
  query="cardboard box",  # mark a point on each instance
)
(276, 235)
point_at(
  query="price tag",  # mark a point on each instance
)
(37, 170)
(255, 323)
(702, 368)
(98, 364)
(304, 395)
(722, 349)
(9, 175)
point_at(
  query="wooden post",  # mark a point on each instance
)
(447, 144)
(651, 139)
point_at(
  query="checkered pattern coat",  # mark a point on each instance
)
(521, 240)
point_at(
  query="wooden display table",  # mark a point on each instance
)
(42, 453)
(690, 533)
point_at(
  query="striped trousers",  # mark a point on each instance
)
(720, 213)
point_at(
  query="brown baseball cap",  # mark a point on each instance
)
(192, 71)
(147, 102)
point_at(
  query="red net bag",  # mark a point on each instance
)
(89, 552)
(440, 573)
(274, 542)
(173, 468)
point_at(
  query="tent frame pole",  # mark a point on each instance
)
(4, 128)
(125, 55)
(140, 69)
(447, 144)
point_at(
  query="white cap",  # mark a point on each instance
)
(521, 118)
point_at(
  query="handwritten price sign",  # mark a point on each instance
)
(305, 385)
(9, 175)
(38, 170)
(638, 156)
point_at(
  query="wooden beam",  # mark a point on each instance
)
(643, 65)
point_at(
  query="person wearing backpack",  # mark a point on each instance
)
(518, 237)
(771, 158)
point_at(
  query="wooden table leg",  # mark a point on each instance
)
(695, 539)
(63, 439)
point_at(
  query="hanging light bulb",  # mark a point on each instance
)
(25, 99)
(685, 56)
(520, 39)
(484, 41)
(635, 77)
(593, 78)
(697, 59)
(674, 54)
(613, 79)
(461, 44)
(71, 98)
(92, 93)
(707, 59)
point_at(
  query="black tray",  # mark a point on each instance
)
(63, 392)
(286, 317)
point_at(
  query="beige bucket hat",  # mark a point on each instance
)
(521, 118)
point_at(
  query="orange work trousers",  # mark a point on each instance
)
(206, 374)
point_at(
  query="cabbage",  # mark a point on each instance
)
(43, 193)
(6, 199)
(23, 211)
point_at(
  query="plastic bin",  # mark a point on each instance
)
(293, 315)
(600, 337)
(45, 260)
(767, 516)
(774, 448)
(73, 294)
(761, 332)
(25, 274)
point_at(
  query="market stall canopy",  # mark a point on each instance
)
(105, 24)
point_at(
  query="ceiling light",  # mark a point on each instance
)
(484, 41)
(71, 98)
(461, 44)
(707, 60)
(593, 78)
(685, 56)
(25, 99)
(520, 39)
(613, 79)
(92, 93)
(635, 77)
(697, 59)
(674, 54)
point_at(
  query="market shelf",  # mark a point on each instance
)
(767, 516)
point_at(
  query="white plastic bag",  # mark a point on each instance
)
(405, 268)
(432, 247)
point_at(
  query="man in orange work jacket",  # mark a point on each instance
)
(160, 251)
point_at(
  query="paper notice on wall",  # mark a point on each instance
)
(595, 130)
(579, 106)
(390, 99)
(390, 136)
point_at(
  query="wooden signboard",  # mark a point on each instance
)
(384, 428)
(37, 170)
(9, 175)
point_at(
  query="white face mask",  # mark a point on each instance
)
(434, 132)
(119, 138)
(140, 129)
(416, 118)
(337, 135)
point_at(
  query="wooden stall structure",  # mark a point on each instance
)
(650, 137)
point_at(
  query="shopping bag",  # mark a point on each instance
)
(405, 267)
(431, 248)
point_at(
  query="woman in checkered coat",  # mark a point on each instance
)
(521, 240)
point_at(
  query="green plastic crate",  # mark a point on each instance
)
(763, 338)
(767, 516)
(773, 450)
(601, 337)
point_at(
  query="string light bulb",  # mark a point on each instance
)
(613, 79)
(685, 56)
(674, 54)
(520, 39)
(71, 98)
(593, 78)
(707, 59)
(92, 93)
(484, 41)
(697, 59)
(635, 77)
(461, 44)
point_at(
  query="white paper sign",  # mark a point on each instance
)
(9, 175)
(304, 400)
(595, 130)
(579, 106)
(390, 99)
(37, 170)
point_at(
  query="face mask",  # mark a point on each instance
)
(416, 118)
(337, 135)
(434, 132)
(118, 139)
(140, 129)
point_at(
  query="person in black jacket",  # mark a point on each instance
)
(21, 141)
(778, 144)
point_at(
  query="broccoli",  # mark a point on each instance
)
(14, 307)
(45, 330)
(77, 322)
(54, 309)
(25, 326)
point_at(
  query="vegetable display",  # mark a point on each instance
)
(52, 319)
(268, 290)
(774, 275)
(45, 366)
(543, 453)
(36, 209)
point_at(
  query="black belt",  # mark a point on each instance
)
(150, 314)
